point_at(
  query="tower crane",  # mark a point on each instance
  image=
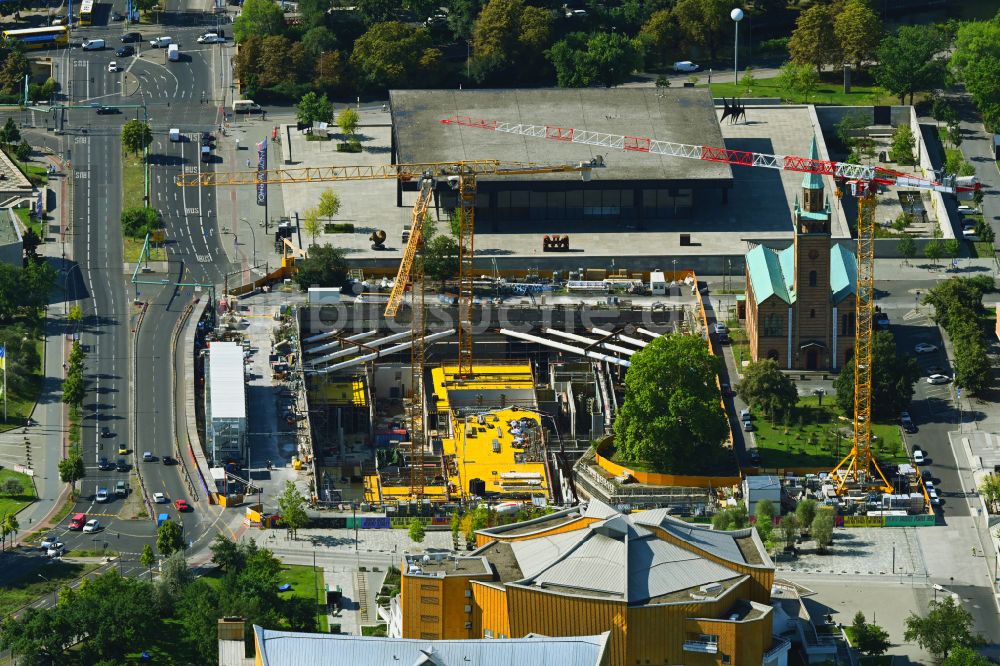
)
(859, 467)
(461, 175)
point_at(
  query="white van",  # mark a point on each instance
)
(175, 134)
(161, 42)
(245, 106)
(173, 53)
(93, 44)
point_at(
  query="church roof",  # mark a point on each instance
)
(772, 273)
(813, 181)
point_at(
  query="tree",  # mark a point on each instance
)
(313, 13)
(812, 43)
(582, 60)
(31, 241)
(911, 61)
(325, 266)
(659, 36)
(395, 55)
(903, 145)
(313, 108)
(23, 151)
(963, 656)
(226, 553)
(671, 415)
(416, 530)
(311, 224)
(858, 29)
(330, 71)
(906, 247)
(766, 388)
(946, 627)
(137, 221)
(148, 559)
(893, 377)
(347, 121)
(71, 470)
(376, 11)
(10, 526)
(975, 61)
(934, 250)
(731, 518)
(764, 510)
(704, 22)
(258, 18)
(797, 81)
(10, 134)
(440, 257)
(329, 204)
(318, 40)
(951, 248)
(75, 314)
(169, 538)
(821, 529)
(749, 80)
(805, 511)
(136, 136)
(292, 506)
(508, 39)
(13, 486)
(989, 489)
(789, 529)
(174, 574)
(942, 111)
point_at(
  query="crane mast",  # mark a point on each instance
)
(859, 466)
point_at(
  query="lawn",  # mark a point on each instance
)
(133, 248)
(57, 575)
(306, 583)
(133, 193)
(20, 404)
(982, 250)
(38, 175)
(14, 503)
(810, 438)
(30, 222)
(829, 91)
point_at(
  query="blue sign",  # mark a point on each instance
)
(262, 173)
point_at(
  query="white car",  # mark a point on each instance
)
(210, 38)
(92, 526)
(720, 329)
(918, 457)
(49, 541)
(102, 495)
(685, 66)
(112, 66)
(925, 348)
(938, 379)
(159, 498)
(967, 210)
(55, 549)
(929, 485)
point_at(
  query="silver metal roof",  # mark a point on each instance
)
(227, 387)
(291, 648)
(722, 544)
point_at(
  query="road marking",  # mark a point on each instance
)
(192, 211)
(203, 258)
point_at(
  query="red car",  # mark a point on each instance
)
(182, 505)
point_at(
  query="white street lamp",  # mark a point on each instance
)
(737, 16)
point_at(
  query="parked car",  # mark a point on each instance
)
(720, 328)
(938, 379)
(907, 422)
(182, 505)
(918, 457)
(754, 455)
(56, 549)
(130, 37)
(125, 51)
(685, 66)
(116, 17)
(92, 525)
(967, 210)
(48, 541)
(925, 348)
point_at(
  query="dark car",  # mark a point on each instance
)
(208, 139)
(167, 460)
(130, 37)
(105, 465)
(107, 110)
(907, 422)
(106, 432)
(754, 455)
(882, 321)
(125, 51)
(122, 465)
(116, 17)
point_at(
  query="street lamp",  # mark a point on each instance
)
(737, 16)
(253, 237)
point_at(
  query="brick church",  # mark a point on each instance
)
(800, 303)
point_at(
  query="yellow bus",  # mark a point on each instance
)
(87, 12)
(39, 38)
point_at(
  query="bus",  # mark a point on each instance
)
(39, 38)
(87, 12)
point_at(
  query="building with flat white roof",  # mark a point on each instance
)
(225, 403)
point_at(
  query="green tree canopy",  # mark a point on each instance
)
(169, 537)
(440, 257)
(10, 133)
(911, 60)
(509, 37)
(821, 528)
(893, 377)
(704, 22)
(903, 146)
(805, 511)
(812, 42)
(906, 247)
(395, 55)
(964, 656)
(313, 108)
(584, 60)
(767, 389)
(324, 267)
(946, 626)
(416, 530)
(258, 18)
(138, 221)
(671, 417)
(136, 136)
(859, 30)
(347, 121)
(975, 61)
(292, 506)
(659, 36)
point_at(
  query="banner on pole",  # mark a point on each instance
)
(262, 173)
